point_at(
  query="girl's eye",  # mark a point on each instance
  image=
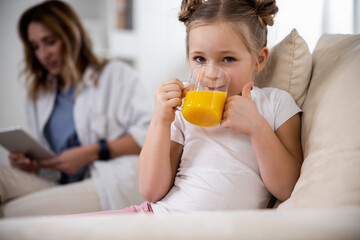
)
(200, 59)
(229, 59)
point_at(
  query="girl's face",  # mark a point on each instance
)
(47, 47)
(220, 45)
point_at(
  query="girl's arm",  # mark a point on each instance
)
(159, 157)
(279, 154)
(158, 163)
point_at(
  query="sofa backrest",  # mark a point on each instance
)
(288, 67)
(330, 175)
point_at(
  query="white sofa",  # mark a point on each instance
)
(325, 203)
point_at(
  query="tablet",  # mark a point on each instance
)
(14, 139)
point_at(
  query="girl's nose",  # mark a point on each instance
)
(214, 76)
(211, 72)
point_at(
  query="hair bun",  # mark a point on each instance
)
(266, 10)
(188, 7)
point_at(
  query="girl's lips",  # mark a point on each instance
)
(216, 88)
(211, 88)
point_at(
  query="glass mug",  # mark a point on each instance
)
(205, 100)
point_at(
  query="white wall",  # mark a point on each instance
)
(161, 43)
(11, 89)
(305, 16)
(313, 19)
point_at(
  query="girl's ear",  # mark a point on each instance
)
(262, 59)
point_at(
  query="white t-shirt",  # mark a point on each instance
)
(218, 168)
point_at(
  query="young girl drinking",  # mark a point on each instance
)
(254, 152)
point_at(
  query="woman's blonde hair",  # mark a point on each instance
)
(62, 20)
(254, 14)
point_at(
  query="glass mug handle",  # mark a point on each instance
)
(179, 108)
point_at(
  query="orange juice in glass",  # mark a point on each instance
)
(205, 100)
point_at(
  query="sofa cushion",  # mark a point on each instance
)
(295, 224)
(288, 67)
(330, 175)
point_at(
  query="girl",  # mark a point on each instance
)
(85, 109)
(254, 152)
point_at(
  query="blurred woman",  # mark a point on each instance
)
(91, 112)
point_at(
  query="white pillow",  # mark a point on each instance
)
(330, 175)
(288, 67)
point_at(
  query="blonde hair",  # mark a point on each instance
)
(255, 15)
(62, 20)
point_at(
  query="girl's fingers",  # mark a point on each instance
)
(175, 102)
(173, 82)
(184, 91)
(246, 90)
(171, 95)
(172, 87)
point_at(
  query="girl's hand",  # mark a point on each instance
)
(69, 161)
(240, 113)
(20, 161)
(168, 97)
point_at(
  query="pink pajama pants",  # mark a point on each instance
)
(145, 207)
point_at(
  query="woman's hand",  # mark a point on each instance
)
(72, 160)
(168, 97)
(240, 113)
(20, 161)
